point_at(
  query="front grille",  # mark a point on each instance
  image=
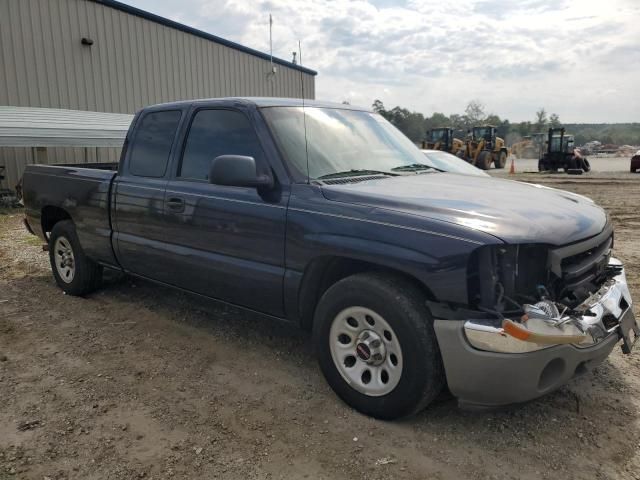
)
(585, 267)
(578, 268)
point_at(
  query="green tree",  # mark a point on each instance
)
(378, 106)
(541, 120)
(475, 112)
(493, 119)
(524, 128)
(457, 121)
(503, 128)
(414, 125)
(459, 125)
(410, 123)
(436, 120)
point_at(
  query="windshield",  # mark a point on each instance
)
(437, 135)
(482, 132)
(450, 163)
(339, 141)
(555, 144)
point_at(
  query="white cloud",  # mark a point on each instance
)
(574, 57)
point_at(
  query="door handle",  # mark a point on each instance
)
(175, 204)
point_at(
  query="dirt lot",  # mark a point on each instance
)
(138, 381)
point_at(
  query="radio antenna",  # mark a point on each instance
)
(304, 115)
(271, 41)
(272, 70)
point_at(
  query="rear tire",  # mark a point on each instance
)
(403, 371)
(484, 160)
(75, 273)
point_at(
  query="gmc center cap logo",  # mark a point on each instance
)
(363, 351)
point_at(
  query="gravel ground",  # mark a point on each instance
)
(138, 381)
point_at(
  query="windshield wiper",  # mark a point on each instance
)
(354, 172)
(415, 167)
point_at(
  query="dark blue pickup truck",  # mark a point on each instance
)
(410, 278)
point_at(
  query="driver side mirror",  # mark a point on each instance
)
(237, 171)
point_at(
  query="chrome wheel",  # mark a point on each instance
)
(366, 351)
(64, 259)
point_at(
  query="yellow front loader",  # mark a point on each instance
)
(484, 148)
(442, 139)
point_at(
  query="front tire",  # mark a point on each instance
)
(376, 345)
(484, 160)
(542, 166)
(501, 161)
(74, 272)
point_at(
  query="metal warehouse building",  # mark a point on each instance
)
(105, 56)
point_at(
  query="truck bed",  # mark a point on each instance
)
(82, 193)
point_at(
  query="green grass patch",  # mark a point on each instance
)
(33, 240)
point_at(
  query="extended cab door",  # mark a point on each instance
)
(139, 190)
(226, 242)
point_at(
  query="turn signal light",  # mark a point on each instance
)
(521, 332)
(515, 330)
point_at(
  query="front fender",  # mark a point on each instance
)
(434, 253)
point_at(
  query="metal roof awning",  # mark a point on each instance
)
(51, 127)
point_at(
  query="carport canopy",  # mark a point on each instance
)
(52, 127)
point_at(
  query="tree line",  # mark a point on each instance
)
(415, 125)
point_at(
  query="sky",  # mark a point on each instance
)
(577, 58)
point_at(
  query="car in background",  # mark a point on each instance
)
(447, 162)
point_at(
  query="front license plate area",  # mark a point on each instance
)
(629, 331)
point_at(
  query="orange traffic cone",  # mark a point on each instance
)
(512, 170)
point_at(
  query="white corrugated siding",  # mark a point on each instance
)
(53, 127)
(133, 62)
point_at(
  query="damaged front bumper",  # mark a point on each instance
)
(486, 366)
(600, 315)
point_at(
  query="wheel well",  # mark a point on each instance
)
(52, 215)
(324, 272)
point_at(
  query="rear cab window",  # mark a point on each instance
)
(152, 143)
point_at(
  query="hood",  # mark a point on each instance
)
(514, 212)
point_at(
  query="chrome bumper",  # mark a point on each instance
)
(603, 311)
